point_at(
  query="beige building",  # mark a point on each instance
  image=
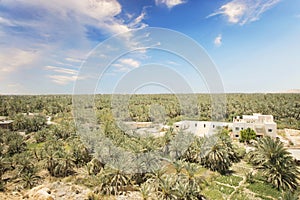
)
(263, 125)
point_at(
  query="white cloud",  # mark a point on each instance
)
(99, 13)
(64, 76)
(130, 62)
(12, 59)
(138, 21)
(74, 60)
(57, 31)
(62, 79)
(218, 40)
(126, 64)
(6, 22)
(169, 3)
(62, 70)
(244, 11)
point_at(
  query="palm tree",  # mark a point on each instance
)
(192, 153)
(178, 166)
(276, 163)
(113, 181)
(215, 155)
(146, 190)
(65, 165)
(79, 152)
(29, 179)
(165, 187)
(289, 196)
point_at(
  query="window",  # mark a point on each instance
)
(236, 136)
(237, 128)
(195, 124)
(204, 125)
(213, 126)
(242, 128)
(270, 130)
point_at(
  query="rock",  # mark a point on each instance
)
(57, 191)
(39, 193)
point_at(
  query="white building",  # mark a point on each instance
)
(201, 128)
(263, 125)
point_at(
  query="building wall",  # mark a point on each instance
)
(262, 124)
(200, 128)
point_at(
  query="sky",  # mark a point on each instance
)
(62, 47)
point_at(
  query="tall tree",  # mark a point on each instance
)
(278, 166)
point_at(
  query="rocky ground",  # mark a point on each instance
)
(49, 191)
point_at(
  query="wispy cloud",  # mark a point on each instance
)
(62, 76)
(218, 40)
(12, 59)
(61, 70)
(73, 60)
(126, 64)
(169, 3)
(244, 11)
(169, 62)
(62, 79)
(6, 22)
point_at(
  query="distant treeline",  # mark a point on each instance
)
(284, 107)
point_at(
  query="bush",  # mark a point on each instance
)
(41, 136)
(247, 135)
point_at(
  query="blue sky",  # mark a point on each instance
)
(254, 44)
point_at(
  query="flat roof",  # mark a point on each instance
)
(6, 122)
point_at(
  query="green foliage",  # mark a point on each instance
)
(80, 154)
(58, 161)
(146, 190)
(41, 135)
(218, 153)
(264, 189)
(63, 130)
(113, 181)
(26, 169)
(247, 135)
(213, 194)
(289, 196)
(284, 107)
(58, 150)
(249, 177)
(15, 143)
(276, 163)
(240, 196)
(231, 180)
(224, 189)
